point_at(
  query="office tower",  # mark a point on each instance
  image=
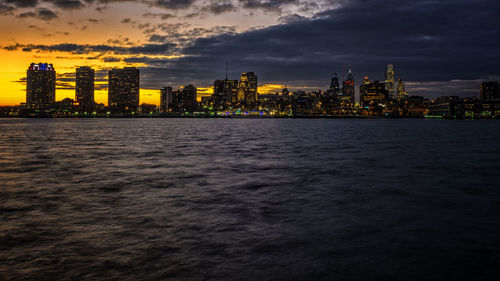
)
(366, 80)
(231, 90)
(402, 94)
(489, 90)
(84, 95)
(348, 91)
(123, 90)
(389, 80)
(40, 86)
(188, 98)
(334, 85)
(225, 91)
(247, 88)
(166, 99)
(372, 93)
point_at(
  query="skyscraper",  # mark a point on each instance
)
(247, 88)
(489, 90)
(348, 91)
(334, 85)
(389, 80)
(372, 93)
(166, 99)
(123, 90)
(225, 91)
(40, 86)
(84, 95)
(402, 94)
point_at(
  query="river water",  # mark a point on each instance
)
(249, 199)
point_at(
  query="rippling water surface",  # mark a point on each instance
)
(249, 199)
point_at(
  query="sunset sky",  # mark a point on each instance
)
(437, 47)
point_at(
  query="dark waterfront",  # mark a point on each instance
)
(249, 199)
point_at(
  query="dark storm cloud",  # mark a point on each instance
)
(434, 42)
(68, 4)
(173, 4)
(267, 5)
(22, 3)
(40, 13)
(163, 16)
(427, 41)
(220, 7)
(166, 48)
(111, 59)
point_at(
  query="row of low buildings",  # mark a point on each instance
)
(241, 97)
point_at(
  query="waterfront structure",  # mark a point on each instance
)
(40, 86)
(247, 88)
(166, 99)
(123, 90)
(389, 80)
(84, 89)
(489, 90)
(373, 93)
(401, 94)
(348, 91)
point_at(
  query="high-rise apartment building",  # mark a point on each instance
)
(84, 90)
(123, 90)
(188, 98)
(166, 99)
(40, 86)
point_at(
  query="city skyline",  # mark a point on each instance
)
(295, 43)
(241, 98)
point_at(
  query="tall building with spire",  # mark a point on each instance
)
(389, 80)
(84, 90)
(348, 91)
(40, 86)
(402, 94)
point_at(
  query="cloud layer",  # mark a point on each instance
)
(427, 41)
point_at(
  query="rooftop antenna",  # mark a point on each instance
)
(226, 70)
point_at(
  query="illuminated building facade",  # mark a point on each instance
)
(372, 93)
(40, 86)
(348, 91)
(402, 94)
(489, 90)
(389, 80)
(166, 99)
(247, 88)
(84, 91)
(123, 90)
